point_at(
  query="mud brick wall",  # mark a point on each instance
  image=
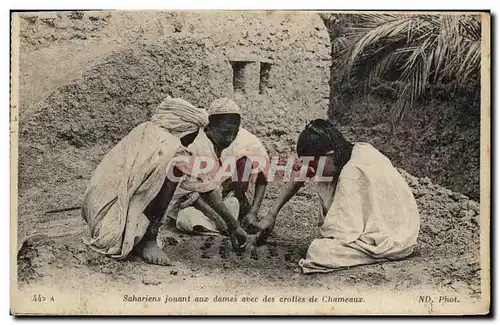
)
(192, 56)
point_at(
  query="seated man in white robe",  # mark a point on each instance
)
(367, 211)
(238, 157)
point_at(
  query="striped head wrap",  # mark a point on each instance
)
(179, 117)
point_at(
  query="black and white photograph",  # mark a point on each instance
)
(250, 162)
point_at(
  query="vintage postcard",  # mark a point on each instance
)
(250, 163)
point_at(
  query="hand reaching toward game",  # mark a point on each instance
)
(239, 239)
(265, 227)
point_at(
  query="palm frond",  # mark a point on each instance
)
(388, 31)
(471, 28)
(420, 49)
(471, 62)
(381, 67)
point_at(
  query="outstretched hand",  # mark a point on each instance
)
(265, 227)
(249, 222)
(239, 239)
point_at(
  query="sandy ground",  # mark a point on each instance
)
(447, 255)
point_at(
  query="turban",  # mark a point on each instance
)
(179, 117)
(224, 106)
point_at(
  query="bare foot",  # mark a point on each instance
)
(152, 253)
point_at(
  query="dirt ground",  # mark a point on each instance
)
(447, 254)
(55, 175)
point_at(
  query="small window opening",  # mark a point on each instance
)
(264, 77)
(239, 75)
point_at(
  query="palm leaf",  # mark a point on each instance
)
(471, 62)
(387, 30)
(421, 49)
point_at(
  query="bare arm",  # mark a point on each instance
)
(237, 235)
(260, 191)
(266, 225)
(214, 200)
(201, 205)
(289, 191)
